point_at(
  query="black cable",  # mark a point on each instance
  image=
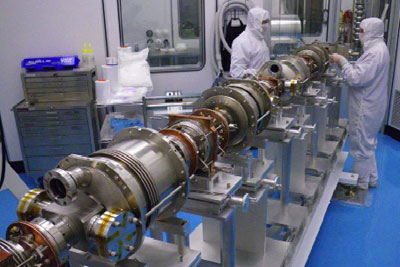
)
(4, 155)
(120, 25)
(105, 28)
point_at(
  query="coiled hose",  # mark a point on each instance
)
(4, 155)
(219, 35)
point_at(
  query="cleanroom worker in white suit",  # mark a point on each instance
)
(249, 50)
(367, 99)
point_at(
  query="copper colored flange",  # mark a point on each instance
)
(272, 80)
(207, 125)
(26, 228)
(204, 121)
(217, 118)
(188, 143)
(6, 259)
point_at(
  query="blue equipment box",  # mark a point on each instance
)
(50, 63)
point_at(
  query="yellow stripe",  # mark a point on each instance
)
(103, 225)
(102, 240)
(25, 200)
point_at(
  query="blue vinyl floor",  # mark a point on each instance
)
(349, 236)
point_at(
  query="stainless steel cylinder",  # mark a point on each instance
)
(242, 104)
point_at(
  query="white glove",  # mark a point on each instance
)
(338, 59)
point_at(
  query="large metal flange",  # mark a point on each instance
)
(60, 186)
(252, 88)
(234, 101)
(271, 68)
(291, 65)
(260, 93)
(248, 102)
(319, 55)
(170, 152)
(315, 59)
(301, 67)
(323, 50)
(115, 234)
(129, 187)
(232, 109)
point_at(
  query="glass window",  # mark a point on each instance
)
(292, 20)
(189, 19)
(173, 30)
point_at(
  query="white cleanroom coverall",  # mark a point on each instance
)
(249, 50)
(367, 99)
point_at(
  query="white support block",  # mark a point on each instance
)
(348, 178)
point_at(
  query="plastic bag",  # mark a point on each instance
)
(134, 70)
(116, 121)
(131, 94)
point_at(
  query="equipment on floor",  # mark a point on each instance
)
(95, 210)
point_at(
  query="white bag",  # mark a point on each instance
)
(134, 70)
(131, 94)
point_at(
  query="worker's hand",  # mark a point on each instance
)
(249, 74)
(335, 57)
(338, 59)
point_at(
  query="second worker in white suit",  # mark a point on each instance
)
(368, 80)
(249, 50)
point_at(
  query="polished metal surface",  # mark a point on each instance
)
(99, 207)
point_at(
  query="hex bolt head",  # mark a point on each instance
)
(133, 220)
(112, 253)
(129, 248)
(14, 230)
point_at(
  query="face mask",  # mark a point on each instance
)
(265, 28)
(361, 36)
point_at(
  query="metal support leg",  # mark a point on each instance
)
(281, 153)
(298, 168)
(284, 155)
(320, 118)
(282, 212)
(222, 232)
(250, 226)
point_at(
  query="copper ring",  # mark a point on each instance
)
(29, 228)
(188, 143)
(220, 120)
